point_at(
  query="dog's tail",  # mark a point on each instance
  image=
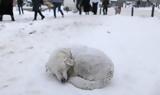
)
(87, 84)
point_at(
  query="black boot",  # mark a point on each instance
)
(43, 17)
(12, 17)
(35, 16)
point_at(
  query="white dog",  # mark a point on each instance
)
(85, 68)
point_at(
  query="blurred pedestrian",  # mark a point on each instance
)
(94, 6)
(79, 5)
(36, 8)
(20, 6)
(138, 3)
(6, 8)
(86, 6)
(57, 4)
(105, 4)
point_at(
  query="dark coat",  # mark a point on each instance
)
(86, 5)
(20, 2)
(6, 7)
(36, 4)
(105, 3)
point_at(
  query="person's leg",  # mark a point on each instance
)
(35, 15)
(42, 16)
(19, 9)
(78, 6)
(119, 10)
(22, 9)
(106, 10)
(115, 10)
(80, 9)
(59, 9)
(96, 8)
(12, 16)
(54, 9)
(93, 8)
(54, 12)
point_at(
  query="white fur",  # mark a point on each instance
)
(92, 69)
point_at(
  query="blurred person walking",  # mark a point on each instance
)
(86, 6)
(36, 8)
(79, 5)
(94, 6)
(20, 6)
(105, 4)
(57, 4)
(6, 8)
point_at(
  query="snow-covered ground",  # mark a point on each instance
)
(131, 42)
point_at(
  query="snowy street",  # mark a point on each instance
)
(132, 43)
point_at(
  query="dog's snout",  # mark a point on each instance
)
(63, 80)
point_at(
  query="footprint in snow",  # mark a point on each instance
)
(108, 32)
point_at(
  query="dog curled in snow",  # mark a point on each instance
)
(84, 67)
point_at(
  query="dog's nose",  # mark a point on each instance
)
(63, 80)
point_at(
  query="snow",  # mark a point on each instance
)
(131, 42)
